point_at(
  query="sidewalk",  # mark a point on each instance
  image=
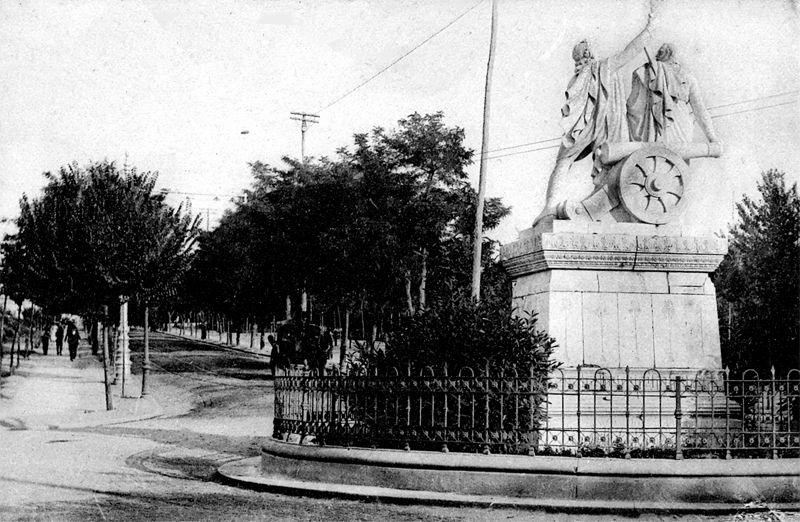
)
(50, 392)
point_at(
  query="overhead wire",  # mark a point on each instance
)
(754, 99)
(711, 108)
(431, 37)
(754, 109)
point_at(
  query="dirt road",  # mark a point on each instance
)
(216, 408)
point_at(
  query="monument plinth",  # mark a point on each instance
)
(620, 295)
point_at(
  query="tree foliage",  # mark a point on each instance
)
(96, 234)
(380, 227)
(458, 332)
(759, 281)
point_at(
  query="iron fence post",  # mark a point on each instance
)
(534, 435)
(446, 411)
(486, 433)
(578, 415)
(627, 411)
(678, 416)
(728, 455)
(773, 415)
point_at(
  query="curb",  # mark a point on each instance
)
(246, 473)
(157, 411)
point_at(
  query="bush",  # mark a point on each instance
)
(420, 392)
(460, 333)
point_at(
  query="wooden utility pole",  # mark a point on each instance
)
(478, 235)
(306, 120)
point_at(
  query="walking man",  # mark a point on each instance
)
(73, 337)
(59, 339)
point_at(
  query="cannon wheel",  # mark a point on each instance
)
(653, 184)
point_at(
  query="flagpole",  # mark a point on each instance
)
(478, 235)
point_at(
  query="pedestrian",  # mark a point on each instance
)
(45, 341)
(322, 350)
(275, 361)
(73, 337)
(287, 343)
(59, 339)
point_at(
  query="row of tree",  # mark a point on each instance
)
(381, 229)
(96, 236)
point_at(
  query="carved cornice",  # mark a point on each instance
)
(613, 252)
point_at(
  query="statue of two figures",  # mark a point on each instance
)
(640, 146)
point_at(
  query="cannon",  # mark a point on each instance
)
(641, 182)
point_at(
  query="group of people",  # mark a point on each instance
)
(58, 333)
(301, 344)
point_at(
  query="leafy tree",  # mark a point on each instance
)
(96, 234)
(426, 159)
(361, 232)
(759, 281)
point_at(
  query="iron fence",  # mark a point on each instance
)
(581, 411)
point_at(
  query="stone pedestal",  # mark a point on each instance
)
(632, 308)
(620, 295)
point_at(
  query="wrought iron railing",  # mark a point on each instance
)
(579, 412)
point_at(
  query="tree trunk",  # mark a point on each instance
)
(146, 362)
(95, 337)
(3, 327)
(29, 344)
(15, 341)
(343, 345)
(252, 334)
(423, 279)
(409, 299)
(106, 362)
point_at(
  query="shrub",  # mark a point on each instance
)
(467, 375)
(459, 332)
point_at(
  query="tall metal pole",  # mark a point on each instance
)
(478, 235)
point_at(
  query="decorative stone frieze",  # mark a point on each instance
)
(568, 250)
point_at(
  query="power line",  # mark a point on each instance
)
(522, 145)
(526, 151)
(716, 116)
(754, 109)
(754, 99)
(711, 108)
(351, 91)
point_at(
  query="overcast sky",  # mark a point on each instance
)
(174, 84)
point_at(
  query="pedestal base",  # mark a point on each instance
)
(620, 295)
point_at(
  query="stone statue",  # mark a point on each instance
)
(594, 113)
(662, 99)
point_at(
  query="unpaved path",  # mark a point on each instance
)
(217, 407)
